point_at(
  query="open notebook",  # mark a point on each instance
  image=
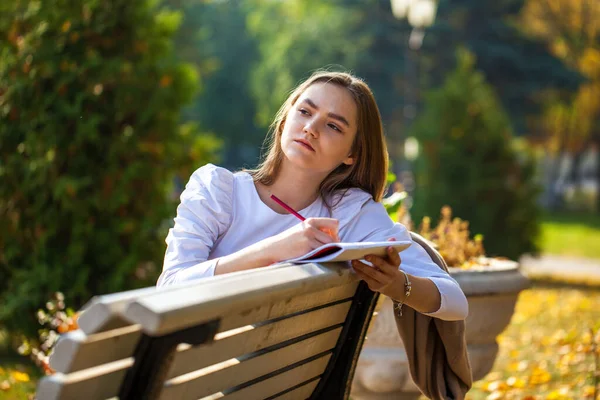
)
(347, 251)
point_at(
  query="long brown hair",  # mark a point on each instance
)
(369, 170)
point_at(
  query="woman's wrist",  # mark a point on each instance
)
(399, 288)
(265, 252)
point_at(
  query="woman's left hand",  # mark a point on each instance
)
(384, 276)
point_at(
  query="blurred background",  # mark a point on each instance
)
(106, 107)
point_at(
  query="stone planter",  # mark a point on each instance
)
(382, 370)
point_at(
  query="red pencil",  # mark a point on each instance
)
(290, 209)
(300, 217)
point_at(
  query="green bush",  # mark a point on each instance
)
(468, 162)
(90, 143)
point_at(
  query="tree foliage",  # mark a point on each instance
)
(468, 163)
(571, 30)
(519, 67)
(90, 141)
(214, 37)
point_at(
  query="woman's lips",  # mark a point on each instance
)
(305, 144)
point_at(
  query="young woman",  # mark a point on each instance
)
(327, 158)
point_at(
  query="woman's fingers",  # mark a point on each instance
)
(327, 225)
(372, 283)
(371, 272)
(393, 257)
(321, 236)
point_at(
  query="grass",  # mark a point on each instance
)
(18, 376)
(571, 234)
(546, 351)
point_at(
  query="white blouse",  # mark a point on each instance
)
(216, 199)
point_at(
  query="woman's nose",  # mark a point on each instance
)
(311, 128)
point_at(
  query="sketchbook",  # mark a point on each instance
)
(334, 252)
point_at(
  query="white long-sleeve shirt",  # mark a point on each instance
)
(221, 213)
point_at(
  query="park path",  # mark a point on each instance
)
(566, 269)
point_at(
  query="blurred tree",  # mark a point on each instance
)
(214, 37)
(519, 67)
(90, 141)
(571, 29)
(468, 163)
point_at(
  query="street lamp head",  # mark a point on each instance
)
(400, 8)
(421, 14)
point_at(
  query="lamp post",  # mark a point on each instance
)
(420, 15)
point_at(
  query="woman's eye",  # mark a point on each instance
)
(303, 111)
(334, 127)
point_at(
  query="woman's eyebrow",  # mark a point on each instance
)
(332, 115)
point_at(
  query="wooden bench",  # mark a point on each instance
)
(285, 332)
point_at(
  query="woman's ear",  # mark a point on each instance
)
(350, 160)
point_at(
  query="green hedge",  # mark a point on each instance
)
(90, 141)
(468, 162)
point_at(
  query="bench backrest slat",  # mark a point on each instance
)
(75, 351)
(161, 313)
(278, 384)
(238, 371)
(97, 383)
(302, 391)
(267, 311)
(258, 339)
(105, 312)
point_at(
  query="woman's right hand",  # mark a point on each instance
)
(302, 238)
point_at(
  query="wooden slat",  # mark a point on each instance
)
(235, 372)
(98, 383)
(300, 393)
(267, 311)
(257, 338)
(103, 313)
(106, 312)
(277, 383)
(75, 351)
(161, 313)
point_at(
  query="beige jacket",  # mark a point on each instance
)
(436, 349)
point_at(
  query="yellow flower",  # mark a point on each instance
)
(20, 376)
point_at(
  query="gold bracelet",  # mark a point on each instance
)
(407, 289)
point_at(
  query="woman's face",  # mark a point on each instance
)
(320, 128)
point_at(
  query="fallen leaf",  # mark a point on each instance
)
(495, 396)
(516, 382)
(539, 376)
(588, 391)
